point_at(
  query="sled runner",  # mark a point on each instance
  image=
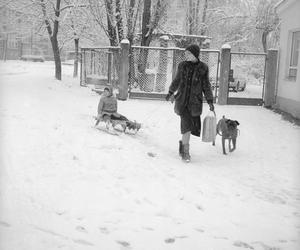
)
(122, 125)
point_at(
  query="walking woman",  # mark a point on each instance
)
(188, 87)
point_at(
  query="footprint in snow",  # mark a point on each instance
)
(81, 229)
(151, 154)
(199, 207)
(123, 243)
(4, 224)
(104, 230)
(266, 247)
(170, 240)
(242, 244)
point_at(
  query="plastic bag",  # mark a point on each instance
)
(209, 129)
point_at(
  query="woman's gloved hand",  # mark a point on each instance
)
(211, 107)
(168, 96)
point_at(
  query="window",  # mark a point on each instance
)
(295, 48)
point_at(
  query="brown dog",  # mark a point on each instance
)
(228, 130)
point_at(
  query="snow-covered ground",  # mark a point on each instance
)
(66, 185)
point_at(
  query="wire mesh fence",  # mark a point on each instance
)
(150, 69)
(100, 66)
(247, 75)
(153, 68)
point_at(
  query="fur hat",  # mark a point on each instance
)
(194, 49)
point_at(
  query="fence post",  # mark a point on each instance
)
(5, 48)
(109, 67)
(19, 48)
(224, 74)
(81, 67)
(124, 70)
(271, 73)
(161, 77)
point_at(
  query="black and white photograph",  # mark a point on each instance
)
(149, 124)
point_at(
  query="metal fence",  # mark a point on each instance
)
(153, 68)
(100, 66)
(15, 50)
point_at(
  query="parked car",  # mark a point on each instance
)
(238, 84)
(235, 84)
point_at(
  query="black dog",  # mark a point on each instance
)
(228, 130)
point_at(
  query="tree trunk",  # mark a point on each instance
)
(264, 40)
(145, 36)
(190, 18)
(146, 22)
(75, 73)
(119, 20)
(203, 24)
(130, 33)
(53, 35)
(110, 26)
(57, 60)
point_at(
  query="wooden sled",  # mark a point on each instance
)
(125, 125)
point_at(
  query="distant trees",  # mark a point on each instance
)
(76, 26)
(152, 14)
(113, 15)
(51, 16)
(241, 23)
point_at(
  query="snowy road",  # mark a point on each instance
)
(65, 185)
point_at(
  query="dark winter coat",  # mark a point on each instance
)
(190, 90)
(108, 104)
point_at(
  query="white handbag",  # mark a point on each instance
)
(209, 128)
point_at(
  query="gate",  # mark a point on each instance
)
(152, 70)
(246, 78)
(99, 67)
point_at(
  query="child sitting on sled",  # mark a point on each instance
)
(107, 112)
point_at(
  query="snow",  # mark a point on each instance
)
(226, 46)
(125, 41)
(66, 185)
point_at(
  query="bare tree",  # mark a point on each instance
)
(108, 15)
(266, 20)
(52, 26)
(149, 24)
(75, 27)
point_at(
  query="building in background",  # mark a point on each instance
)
(288, 81)
(18, 35)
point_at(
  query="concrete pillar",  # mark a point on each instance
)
(124, 70)
(271, 73)
(224, 74)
